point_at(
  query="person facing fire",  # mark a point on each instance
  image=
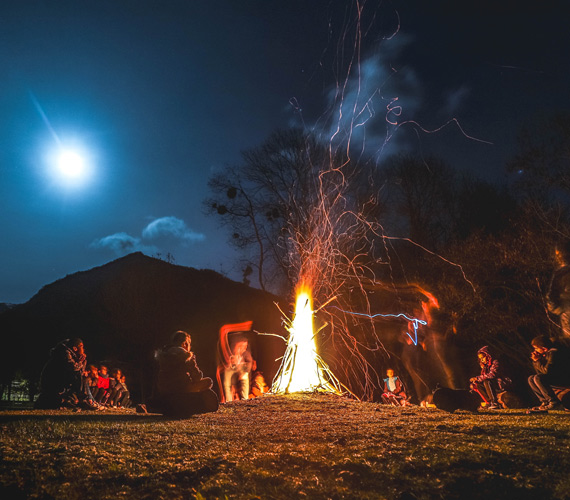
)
(237, 372)
(258, 386)
(558, 297)
(63, 381)
(394, 391)
(178, 369)
(182, 389)
(492, 379)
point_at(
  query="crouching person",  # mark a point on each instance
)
(182, 389)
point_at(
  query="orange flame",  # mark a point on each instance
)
(302, 369)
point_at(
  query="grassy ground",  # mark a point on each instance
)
(300, 446)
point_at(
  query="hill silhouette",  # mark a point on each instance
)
(128, 308)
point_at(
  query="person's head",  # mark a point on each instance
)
(181, 339)
(103, 370)
(93, 371)
(484, 355)
(117, 374)
(390, 373)
(76, 345)
(240, 347)
(541, 343)
(258, 378)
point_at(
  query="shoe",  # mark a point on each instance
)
(536, 409)
(141, 409)
(553, 405)
(494, 406)
(90, 405)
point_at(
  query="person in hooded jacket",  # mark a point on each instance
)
(182, 389)
(492, 379)
(63, 381)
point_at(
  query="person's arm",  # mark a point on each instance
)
(491, 373)
(192, 368)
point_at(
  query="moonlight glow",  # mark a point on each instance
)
(71, 165)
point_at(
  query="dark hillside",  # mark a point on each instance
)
(126, 309)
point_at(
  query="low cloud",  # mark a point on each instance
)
(122, 243)
(171, 227)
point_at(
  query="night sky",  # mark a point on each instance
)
(155, 96)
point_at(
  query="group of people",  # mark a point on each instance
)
(551, 362)
(67, 382)
(108, 389)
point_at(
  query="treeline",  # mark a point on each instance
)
(484, 250)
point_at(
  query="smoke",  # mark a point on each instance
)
(160, 235)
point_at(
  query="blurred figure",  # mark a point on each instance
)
(394, 391)
(237, 372)
(258, 386)
(103, 385)
(63, 382)
(558, 297)
(492, 379)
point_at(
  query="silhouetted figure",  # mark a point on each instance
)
(558, 297)
(182, 388)
(63, 382)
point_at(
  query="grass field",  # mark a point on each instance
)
(299, 446)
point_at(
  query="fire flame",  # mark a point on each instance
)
(302, 369)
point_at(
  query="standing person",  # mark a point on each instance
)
(552, 366)
(63, 381)
(236, 374)
(558, 297)
(182, 388)
(492, 379)
(394, 391)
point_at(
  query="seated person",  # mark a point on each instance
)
(492, 379)
(63, 380)
(394, 391)
(551, 365)
(92, 379)
(182, 388)
(103, 385)
(259, 387)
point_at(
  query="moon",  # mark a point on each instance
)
(71, 165)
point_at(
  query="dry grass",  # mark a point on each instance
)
(300, 446)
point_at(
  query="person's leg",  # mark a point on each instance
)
(533, 383)
(244, 386)
(490, 389)
(543, 384)
(227, 384)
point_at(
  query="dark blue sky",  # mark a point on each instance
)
(158, 95)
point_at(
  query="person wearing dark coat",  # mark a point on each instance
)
(63, 381)
(182, 390)
(552, 366)
(492, 379)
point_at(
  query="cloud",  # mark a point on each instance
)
(171, 227)
(122, 244)
(374, 100)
